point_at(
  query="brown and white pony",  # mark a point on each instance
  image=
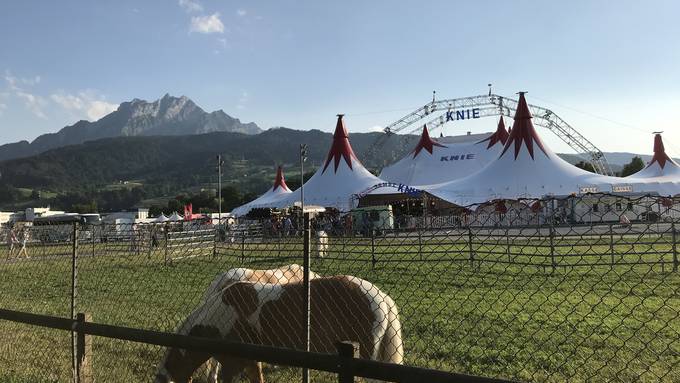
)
(343, 308)
(292, 273)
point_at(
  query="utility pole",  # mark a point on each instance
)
(220, 162)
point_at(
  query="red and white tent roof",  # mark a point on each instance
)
(277, 191)
(341, 176)
(433, 162)
(661, 167)
(527, 168)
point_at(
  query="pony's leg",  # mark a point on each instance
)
(231, 368)
(254, 372)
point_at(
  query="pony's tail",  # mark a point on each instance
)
(392, 345)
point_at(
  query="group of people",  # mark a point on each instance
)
(17, 238)
(289, 225)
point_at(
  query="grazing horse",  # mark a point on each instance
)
(344, 308)
(287, 274)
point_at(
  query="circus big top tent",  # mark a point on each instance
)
(433, 162)
(277, 191)
(341, 176)
(661, 167)
(527, 168)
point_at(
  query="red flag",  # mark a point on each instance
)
(188, 212)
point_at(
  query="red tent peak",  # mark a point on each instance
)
(500, 135)
(426, 143)
(660, 155)
(280, 180)
(523, 131)
(341, 147)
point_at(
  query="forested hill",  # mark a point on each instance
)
(164, 165)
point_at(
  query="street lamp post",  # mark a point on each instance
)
(220, 162)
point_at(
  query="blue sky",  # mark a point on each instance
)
(611, 69)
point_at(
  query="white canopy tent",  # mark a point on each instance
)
(527, 168)
(277, 191)
(433, 162)
(661, 167)
(334, 183)
(175, 217)
(161, 218)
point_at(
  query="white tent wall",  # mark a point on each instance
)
(434, 162)
(276, 192)
(334, 183)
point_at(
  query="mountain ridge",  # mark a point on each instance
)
(169, 115)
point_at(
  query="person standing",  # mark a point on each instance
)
(24, 241)
(11, 241)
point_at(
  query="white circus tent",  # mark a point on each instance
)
(661, 167)
(527, 168)
(277, 191)
(433, 162)
(341, 177)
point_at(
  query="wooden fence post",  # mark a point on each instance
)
(83, 351)
(346, 351)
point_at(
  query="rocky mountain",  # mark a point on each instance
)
(168, 116)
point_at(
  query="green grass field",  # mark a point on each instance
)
(486, 317)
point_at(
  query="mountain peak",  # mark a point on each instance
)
(166, 116)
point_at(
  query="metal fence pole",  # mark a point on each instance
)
(611, 242)
(472, 254)
(507, 244)
(553, 263)
(74, 291)
(373, 260)
(346, 351)
(166, 236)
(420, 244)
(306, 263)
(675, 250)
(243, 247)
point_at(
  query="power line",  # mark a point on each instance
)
(593, 115)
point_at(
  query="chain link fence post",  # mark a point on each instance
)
(471, 253)
(551, 234)
(306, 250)
(74, 291)
(675, 249)
(611, 243)
(166, 235)
(243, 247)
(373, 260)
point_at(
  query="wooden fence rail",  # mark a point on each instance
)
(345, 365)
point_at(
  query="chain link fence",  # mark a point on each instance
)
(562, 289)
